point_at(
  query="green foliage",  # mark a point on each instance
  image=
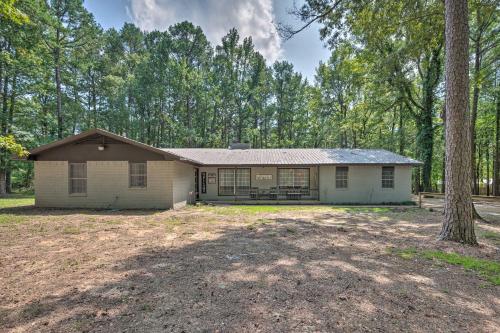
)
(381, 87)
(9, 12)
(8, 143)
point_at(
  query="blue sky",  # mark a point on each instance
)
(216, 17)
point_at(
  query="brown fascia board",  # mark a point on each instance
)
(73, 138)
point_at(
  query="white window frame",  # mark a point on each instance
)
(240, 185)
(291, 179)
(130, 175)
(344, 178)
(70, 179)
(388, 178)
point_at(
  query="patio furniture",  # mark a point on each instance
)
(254, 193)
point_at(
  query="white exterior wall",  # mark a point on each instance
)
(365, 185)
(107, 186)
(183, 183)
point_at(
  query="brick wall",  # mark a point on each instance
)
(107, 186)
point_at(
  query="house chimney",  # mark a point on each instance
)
(239, 145)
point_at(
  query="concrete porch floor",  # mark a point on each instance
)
(261, 202)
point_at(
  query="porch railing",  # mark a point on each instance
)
(277, 193)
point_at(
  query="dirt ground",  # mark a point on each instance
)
(488, 209)
(248, 269)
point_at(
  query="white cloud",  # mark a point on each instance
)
(250, 17)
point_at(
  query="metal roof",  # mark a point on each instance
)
(297, 156)
(253, 157)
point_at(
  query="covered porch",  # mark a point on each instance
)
(274, 185)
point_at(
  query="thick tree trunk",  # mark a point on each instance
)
(458, 224)
(443, 165)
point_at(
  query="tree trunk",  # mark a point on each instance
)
(458, 224)
(402, 142)
(5, 104)
(426, 142)
(57, 70)
(3, 184)
(475, 100)
(496, 161)
(443, 165)
(488, 169)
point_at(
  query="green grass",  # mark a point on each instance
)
(17, 200)
(362, 209)
(487, 269)
(71, 230)
(7, 219)
(491, 235)
(407, 254)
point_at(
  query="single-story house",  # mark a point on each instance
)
(99, 169)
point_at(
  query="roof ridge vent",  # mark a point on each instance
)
(239, 145)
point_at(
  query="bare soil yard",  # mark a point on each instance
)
(245, 269)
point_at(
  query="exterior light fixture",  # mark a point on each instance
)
(100, 147)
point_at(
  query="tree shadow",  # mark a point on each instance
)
(285, 274)
(33, 210)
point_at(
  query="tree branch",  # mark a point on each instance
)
(287, 32)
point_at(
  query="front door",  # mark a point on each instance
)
(196, 183)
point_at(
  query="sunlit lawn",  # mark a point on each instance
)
(17, 200)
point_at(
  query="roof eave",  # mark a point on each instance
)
(34, 152)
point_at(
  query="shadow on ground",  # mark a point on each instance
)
(280, 274)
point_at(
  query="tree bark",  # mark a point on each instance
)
(402, 141)
(488, 169)
(496, 162)
(458, 224)
(443, 166)
(475, 101)
(57, 70)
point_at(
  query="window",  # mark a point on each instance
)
(234, 181)
(138, 175)
(341, 176)
(388, 177)
(77, 178)
(293, 178)
(242, 181)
